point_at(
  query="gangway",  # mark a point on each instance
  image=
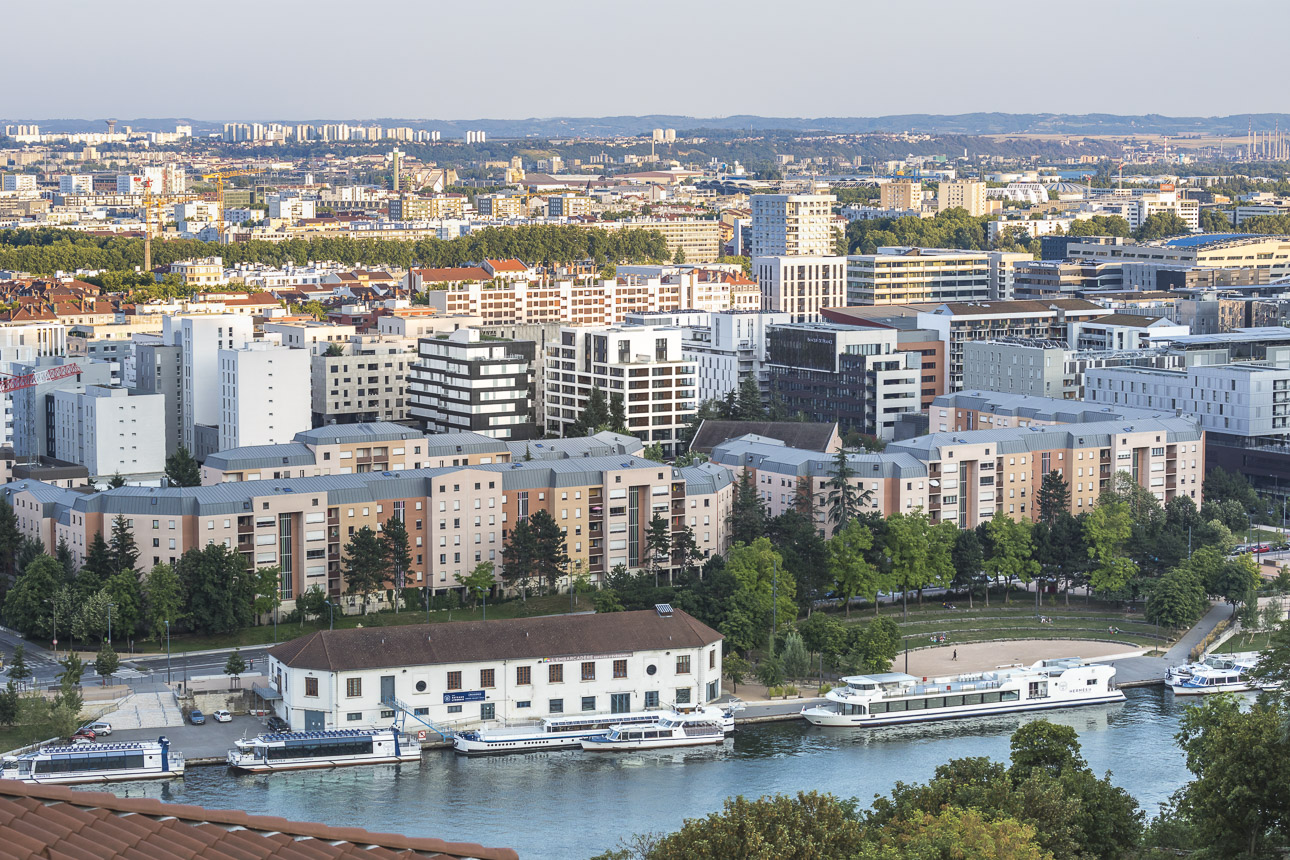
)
(402, 711)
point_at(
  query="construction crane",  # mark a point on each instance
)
(11, 383)
(219, 176)
(152, 204)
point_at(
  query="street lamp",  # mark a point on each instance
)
(774, 604)
(483, 596)
(331, 614)
(167, 650)
(54, 605)
(110, 605)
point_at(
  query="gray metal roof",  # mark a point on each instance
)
(377, 431)
(706, 478)
(1043, 408)
(760, 453)
(574, 472)
(261, 457)
(1095, 434)
(604, 443)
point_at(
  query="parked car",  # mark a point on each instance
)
(99, 728)
(196, 717)
(277, 724)
(222, 717)
(84, 737)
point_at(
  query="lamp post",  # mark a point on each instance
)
(331, 615)
(774, 604)
(167, 650)
(54, 606)
(426, 592)
(110, 605)
(483, 596)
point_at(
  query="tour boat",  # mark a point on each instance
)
(80, 763)
(299, 750)
(893, 698)
(1210, 671)
(663, 732)
(554, 733)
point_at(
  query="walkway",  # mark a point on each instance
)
(153, 708)
(1134, 671)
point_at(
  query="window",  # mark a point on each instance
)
(712, 659)
(683, 665)
(311, 686)
(651, 699)
(523, 675)
(555, 673)
(353, 687)
(454, 709)
(589, 671)
(486, 677)
(683, 695)
(354, 716)
(555, 706)
(523, 704)
(454, 680)
(620, 668)
(588, 703)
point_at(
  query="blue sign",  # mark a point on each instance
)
(457, 698)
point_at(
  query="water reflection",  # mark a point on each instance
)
(574, 804)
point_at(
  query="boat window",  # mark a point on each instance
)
(897, 706)
(953, 701)
(322, 748)
(917, 704)
(990, 698)
(878, 708)
(972, 699)
(1010, 695)
(75, 764)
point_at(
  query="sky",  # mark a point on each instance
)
(510, 59)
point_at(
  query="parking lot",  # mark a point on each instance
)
(198, 743)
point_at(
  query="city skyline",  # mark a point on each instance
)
(445, 75)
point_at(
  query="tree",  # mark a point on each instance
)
(735, 669)
(24, 605)
(872, 648)
(100, 566)
(1054, 497)
(398, 554)
(618, 415)
(10, 537)
(796, 659)
(18, 668)
(653, 451)
(954, 832)
(519, 556)
(162, 599)
(748, 402)
(182, 470)
(1240, 796)
(479, 580)
(364, 566)
(127, 602)
(235, 665)
(594, 416)
(850, 569)
(312, 601)
(968, 559)
(679, 257)
(266, 590)
(64, 555)
(219, 594)
(919, 553)
(658, 546)
(1011, 551)
(763, 594)
(73, 669)
(1045, 746)
(106, 663)
(9, 705)
(747, 517)
(846, 498)
(116, 482)
(1106, 530)
(550, 550)
(1161, 225)
(806, 827)
(125, 555)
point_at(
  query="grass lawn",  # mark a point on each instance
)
(12, 737)
(1255, 641)
(263, 635)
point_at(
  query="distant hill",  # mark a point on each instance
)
(610, 126)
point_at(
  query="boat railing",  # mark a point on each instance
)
(951, 687)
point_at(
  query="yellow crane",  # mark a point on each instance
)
(219, 176)
(152, 205)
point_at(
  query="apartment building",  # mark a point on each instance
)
(1124, 331)
(852, 375)
(158, 369)
(1140, 207)
(727, 347)
(645, 365)
(901, 194)
(901, 275)
(579, 303)
(361, 380)
(32, 424)
(109, 431)
(569, 206)
(500, 205)
(966, 194)
(792, 225)
(1040, 280)
(201, 339)
(463, 382)
(1207, 250)
(408, 208)
(456, 516)
(206, 272)
(265, 394)
(966, 477)
(987, 410)
(698, 240)
(1046, 368)
(801, 286)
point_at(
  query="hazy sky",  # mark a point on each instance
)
(311, 59)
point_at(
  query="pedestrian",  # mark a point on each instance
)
(956, 654)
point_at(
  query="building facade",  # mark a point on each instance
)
(461, 382)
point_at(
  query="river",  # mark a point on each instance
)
(571, 805)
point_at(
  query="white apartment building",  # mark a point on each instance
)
(966, 194)
(201, 338)
(110, 431)
(265, 394)
(792, 225)
(1044, 368)
(1250, 399)
(478, 671)
(19, 182)
(729, 347)
(1139, 208)
(290, 207)
(903, 275)
(645, 365)
(1121, 331)
(76, 183)
(801, 286)
(367, 381)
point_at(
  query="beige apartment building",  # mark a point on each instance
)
(966, 194)
(792, 225)
(901, 194)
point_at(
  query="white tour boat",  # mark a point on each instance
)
(81, 763)
(299, 750)
(664, 732)
(554, 733)
(894, 697)
(1217, 673)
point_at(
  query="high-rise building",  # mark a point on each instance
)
(801, 286)
(265, 394)
(461, 382)
(109, 430)
(901, 194)
(792, 225)
(201, 338)
(966, 194)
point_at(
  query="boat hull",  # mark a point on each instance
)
(596, 745)
(826, 718)
(1184, 690)
(107, 776)
(261, 766)
(482, 744)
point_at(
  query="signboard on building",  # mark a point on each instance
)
(468, 696)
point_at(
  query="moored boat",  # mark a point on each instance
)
(663, 733)
(555, 733)
(1217, 673)
(85, 763)
(893, 698)
(300, 750)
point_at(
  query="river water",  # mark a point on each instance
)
(571, 805)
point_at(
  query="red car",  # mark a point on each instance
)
(84, 736)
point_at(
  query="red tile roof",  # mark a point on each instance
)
(507, 265)
(472, 273)
(50, 821)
